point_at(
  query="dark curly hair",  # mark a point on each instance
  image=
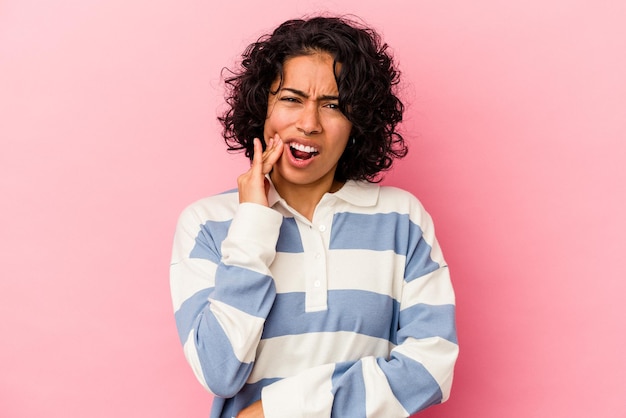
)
(366, 80)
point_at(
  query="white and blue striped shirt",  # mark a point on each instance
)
(349, 315)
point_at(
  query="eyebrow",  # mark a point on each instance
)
(306, 96)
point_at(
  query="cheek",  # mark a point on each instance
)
(276, 120)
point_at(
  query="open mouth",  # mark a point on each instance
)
(302, 152)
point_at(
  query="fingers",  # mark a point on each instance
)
(271, 155)
(253, 186)
(257, 157)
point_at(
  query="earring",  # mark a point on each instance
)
(353, 141)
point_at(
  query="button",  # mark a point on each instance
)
(322, 228)
(317, 283)
(318, 256)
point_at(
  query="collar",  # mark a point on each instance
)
(357, 193)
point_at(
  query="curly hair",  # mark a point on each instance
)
(366, 81)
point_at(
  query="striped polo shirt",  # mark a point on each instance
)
(350, 314)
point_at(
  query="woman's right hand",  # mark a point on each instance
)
(253, 186)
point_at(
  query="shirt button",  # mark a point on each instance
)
(322, 228)
(316, 283)
(318, 256)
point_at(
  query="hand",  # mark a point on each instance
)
(253, 411)
(253, 186)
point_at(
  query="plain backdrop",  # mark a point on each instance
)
(516, 115)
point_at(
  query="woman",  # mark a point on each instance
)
(311, 290)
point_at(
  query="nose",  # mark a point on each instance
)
(309, 120)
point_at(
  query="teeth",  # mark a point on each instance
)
(303, 148)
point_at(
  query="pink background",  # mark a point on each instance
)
(517, 116)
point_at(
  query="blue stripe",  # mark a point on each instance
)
(348, 390)
(377, 232)
(244, 289)
(416, 394)
(208, 244)
(418, 261)
(289, 240)
(224, 373)
(189, 311)
(384, 232)
(424, 321)
(357, 311)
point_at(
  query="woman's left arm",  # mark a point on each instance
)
(418, 371)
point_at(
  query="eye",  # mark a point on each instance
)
(289, 99)
(332, 106)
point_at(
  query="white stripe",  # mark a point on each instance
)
(350, 271)
(287, 272)
(303, 396)
(288, 355)
(437, 355)
(189, 348)
(243, 330)
(189, 277)
(433, 289)
(380, 402)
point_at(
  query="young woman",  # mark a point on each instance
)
(312, 291)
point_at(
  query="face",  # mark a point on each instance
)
(305, 114)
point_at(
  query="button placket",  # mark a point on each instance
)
(317, 283)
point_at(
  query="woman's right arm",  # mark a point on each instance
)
(221, 285)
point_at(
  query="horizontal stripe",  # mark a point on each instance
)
(374, 315)
(436, 355)
(288, 273)
(421, 391)
(348, 390)
(246, 290)
(186, 315)
(300, 394)
(434, 288)
(378, 231)
(209, 241)
(189, 277)
(367, 270)
(290, 355)
(349, 271)
(425, 321)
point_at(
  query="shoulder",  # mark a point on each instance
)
(217, 208)
(398, 200)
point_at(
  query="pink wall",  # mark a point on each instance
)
(517, 115)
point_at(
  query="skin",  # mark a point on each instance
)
(305, 112)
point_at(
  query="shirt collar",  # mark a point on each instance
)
(358, 193)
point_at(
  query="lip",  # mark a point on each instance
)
(295, 162)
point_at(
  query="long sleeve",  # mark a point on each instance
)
(417, 372)
(222, 289)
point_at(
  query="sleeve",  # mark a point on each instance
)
(222, 291)
(419, 369)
